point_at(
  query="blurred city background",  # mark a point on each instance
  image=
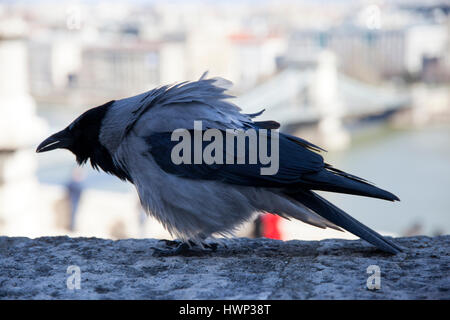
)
(367, 80)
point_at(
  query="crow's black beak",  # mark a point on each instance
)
(60, 139)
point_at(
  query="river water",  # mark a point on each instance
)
(414, 164)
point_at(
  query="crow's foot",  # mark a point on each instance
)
(211, 246)
(176, 247)
(170, 243)
(182, 249)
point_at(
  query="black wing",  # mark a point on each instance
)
(292, 165)
(300, 168)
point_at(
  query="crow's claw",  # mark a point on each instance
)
(212, 246)
(178, 248)
(182, 249)
(170, 243)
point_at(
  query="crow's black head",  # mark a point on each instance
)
(81, 137)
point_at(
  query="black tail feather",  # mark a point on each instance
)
(339, 181)
(337, 216)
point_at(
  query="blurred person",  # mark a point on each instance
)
(270, 225)
(142, 219)
(74, 190)
(438, 232)
(414, 230)
(257, 227)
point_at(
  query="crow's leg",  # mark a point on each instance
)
(212, 246)
(183, 249)
(170, 243)
(177, 247)
(176, 243)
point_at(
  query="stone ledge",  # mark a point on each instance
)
(246, 269)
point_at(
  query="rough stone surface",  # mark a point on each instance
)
(247, 269)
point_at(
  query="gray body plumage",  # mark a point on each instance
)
(189, 209)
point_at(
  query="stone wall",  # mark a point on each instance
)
(244, 269)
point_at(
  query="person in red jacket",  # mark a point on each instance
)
(270, 226)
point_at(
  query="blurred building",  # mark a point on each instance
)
(123, 49)
(53, 63)
(19, 127)
(254, 57)
(363, 52)
(119, 69)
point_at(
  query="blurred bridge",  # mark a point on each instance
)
(297, 97)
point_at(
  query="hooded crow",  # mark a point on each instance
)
(132, 138)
